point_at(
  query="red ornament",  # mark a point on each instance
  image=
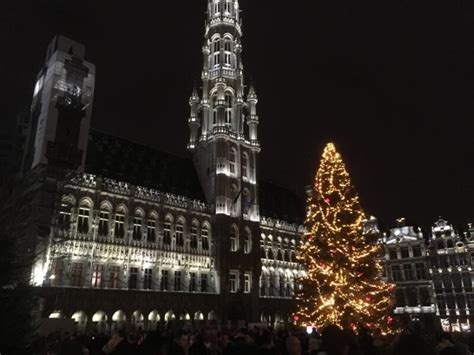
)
(333, 251)
(389, 320)
(368, 298)
(327, 200)
(368, 325)
(296, 318)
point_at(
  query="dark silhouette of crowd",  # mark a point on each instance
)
(256, 341)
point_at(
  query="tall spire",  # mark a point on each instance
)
(222, 109)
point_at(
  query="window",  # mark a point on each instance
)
(234, 240)
(148, 279)
(282, 285)
(203, 282)
(64, 215)
(233, 281)
(425, 296)
(416, 251)
(232, 161)
(151, 231)
(247, 242)
(412, 297)
(164, 280)
(167, 232)
(137, 228)
(97, 276)
(104, 223)
(83, 220)
(119, 225)
(114, 277)
(76, 274)
(179, 234)
(466, 278)
(133, 278)
(400, 298)
(177, 280)
(217, 59)
(192, 282)
(245, 161)
(205, 238)
(393, 254)
(247, 282)
(404, 252)
(456, 276)
(396, 273)
(408, 272)
(56, 273)
(441, 303)
(228, 107)
(194, 237)
(420, 271)
(214, 111)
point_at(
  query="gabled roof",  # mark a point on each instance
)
(123, 160)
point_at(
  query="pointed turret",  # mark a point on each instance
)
(193, 119)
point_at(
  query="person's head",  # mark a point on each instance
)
(118, 335)
(182, 339)
(334, 340)
(293, 345)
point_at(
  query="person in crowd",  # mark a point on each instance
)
(180, 344)
(118, 345)
(293, 345)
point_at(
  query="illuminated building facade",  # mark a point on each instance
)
(141, 238)
(433, 276)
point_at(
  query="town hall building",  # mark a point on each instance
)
(140, 238)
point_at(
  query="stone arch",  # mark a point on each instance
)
(140, 212)
(184, 316)
(138, 320)
(80, 318)
(106, 205)
(265, 318)
(169, 316)
(119, 319)
(100, 320)
(212, 316)
(57, 314)
(153, 319)
(86, 202)
(198, 316)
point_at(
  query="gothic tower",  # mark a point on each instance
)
(224, 143)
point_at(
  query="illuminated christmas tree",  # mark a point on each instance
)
(343, 285)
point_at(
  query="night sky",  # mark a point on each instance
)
(390, 82)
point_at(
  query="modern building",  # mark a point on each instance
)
(141, 238)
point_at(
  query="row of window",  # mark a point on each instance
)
(111, 277)
(405, 252)
(452, 302)
(413, 297)
(141, 229)
(455, 282)
(218, 7)
(234, 281)
(409, 272)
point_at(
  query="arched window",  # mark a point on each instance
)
(245, 164)
(228, 108)
(214, 109)
(180, 233)
(247, 241)
(167, 231)
(83, 217)
(205, 238)
(64, 218)
(137, 226)
(232, 160)
(194, 235)
(151, 229)
(119, 225)
(216, 53)
(104, 220)
(234, 239)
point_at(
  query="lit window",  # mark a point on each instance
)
(247, 282)
(234, 239)
(233, 281)
(97, 276)
(164, 280)
(64, 215)
(76, 275)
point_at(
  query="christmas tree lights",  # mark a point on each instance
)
(343, 284)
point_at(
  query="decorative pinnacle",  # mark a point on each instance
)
(194, 96)
(252, 95)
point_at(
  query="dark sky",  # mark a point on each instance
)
(390, 82)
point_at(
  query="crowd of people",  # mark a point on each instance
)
(255, 341)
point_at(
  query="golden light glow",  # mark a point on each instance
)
(343, 284)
